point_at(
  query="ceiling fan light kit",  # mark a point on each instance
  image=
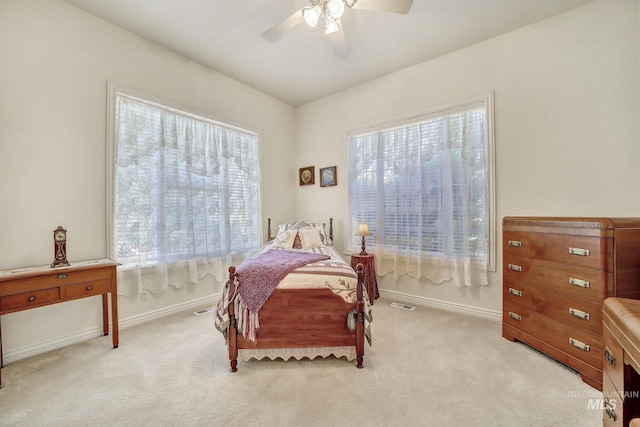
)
(331, 9)
(311, 15)
(332, 12)
(330, 25)
(335, 8)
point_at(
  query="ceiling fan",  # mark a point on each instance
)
(331, 11)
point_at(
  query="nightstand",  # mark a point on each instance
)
(370, 281)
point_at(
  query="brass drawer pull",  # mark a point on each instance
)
(515, 267)
(579, 251)
(32, 298)
(608, 355)
(515, 292)
(579, 344)
(579, 282)
(62, 276)
(89, 288)
(515, 316)
(515, 243)
(609, 409)
(579, 313)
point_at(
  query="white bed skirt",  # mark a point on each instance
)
(297, 353)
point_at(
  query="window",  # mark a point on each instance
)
(183, 187)
(425, 188)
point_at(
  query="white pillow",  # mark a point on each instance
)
(310, 238)
(284, 227)
(284, 239)
(323, 235)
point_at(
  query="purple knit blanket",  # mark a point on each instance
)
(258, 277)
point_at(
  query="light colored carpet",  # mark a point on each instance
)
(426, 368)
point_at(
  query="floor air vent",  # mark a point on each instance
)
(403, 306)
(203, 311)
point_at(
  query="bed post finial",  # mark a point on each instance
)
(360, 316)
(331, 229)
(232, 330)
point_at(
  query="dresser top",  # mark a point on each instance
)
(578, 222)
(587, 226)
(47, 269)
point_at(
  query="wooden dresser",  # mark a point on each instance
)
(557, 272)
(31, 287)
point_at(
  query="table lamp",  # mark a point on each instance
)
(363, 230)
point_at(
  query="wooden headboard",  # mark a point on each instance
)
(270, 237)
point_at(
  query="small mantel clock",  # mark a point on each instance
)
(59, 248)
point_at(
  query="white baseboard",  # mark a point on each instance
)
(42, 347)
(45, 346)
(167, 311)
(442, 305)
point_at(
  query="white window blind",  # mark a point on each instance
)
(424, 187)
(185, 188)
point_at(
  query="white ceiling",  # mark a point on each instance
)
(301, 66)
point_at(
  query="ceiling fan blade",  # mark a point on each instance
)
(339, 41)
(393, 6)
(279, 29)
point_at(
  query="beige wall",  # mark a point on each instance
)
(55, 62)
(566, 132)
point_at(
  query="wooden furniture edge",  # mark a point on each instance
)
(47, 269)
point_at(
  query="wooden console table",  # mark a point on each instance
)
(31, 287)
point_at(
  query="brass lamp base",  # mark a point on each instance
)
(363, 252)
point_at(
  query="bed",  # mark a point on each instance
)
(310, 302)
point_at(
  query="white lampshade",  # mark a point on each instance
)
(330, 25)
(335, 8)
(363, 230)
(311, 15)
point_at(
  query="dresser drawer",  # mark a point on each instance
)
(577, 282)
(95, 287)
(57, 277)
(612, 404)
(575, 312)
(589, 252)
(29, 299)
(612, 356)
(562, 336)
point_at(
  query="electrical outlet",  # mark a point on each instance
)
(144, 295)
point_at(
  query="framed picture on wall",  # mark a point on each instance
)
(328, 176)
(306, 175)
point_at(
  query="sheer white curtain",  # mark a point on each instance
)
(423, 187)
(186, 196)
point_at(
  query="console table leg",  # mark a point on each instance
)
(105, 315)
(1, 359)
(114, 313)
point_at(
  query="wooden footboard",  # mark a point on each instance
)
(295, 318)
